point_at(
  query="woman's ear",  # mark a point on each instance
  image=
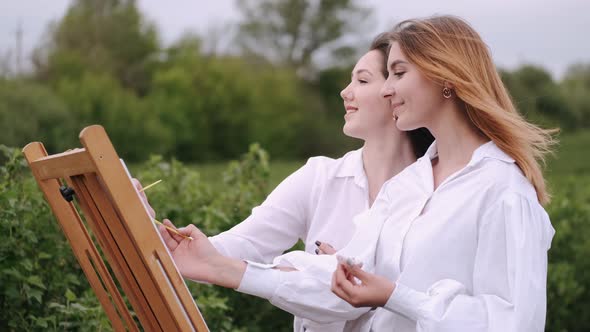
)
(448, 85)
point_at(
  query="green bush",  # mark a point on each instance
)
(30, 111)
(569, 258)
(185, 198)
(100, 99)
(43, 288)
(216, 106)
(41, 284)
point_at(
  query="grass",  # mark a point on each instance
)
(571, 162)
(568, 172)
(572, 156)
(279, 170)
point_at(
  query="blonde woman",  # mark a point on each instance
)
(475, 259)
(457, 241)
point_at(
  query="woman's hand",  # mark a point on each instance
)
(143, 197)
(370, 290)
(198, 260)
(324, 248)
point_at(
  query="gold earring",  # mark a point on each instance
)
(447, 93)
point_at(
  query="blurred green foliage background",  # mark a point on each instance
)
(179, 113)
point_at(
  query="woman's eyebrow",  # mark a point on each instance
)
(362, 71)
(395, 63)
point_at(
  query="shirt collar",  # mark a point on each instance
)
(491, 150)
(352, 166)
(486, 150)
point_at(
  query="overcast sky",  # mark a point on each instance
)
(553, 34)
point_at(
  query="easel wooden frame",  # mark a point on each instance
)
(123, 230)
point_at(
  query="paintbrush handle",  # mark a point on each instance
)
(151, 185)
(173, 230)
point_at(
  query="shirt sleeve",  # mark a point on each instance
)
(307, 292)
(278, 223)
(304, 293)
(509, 281)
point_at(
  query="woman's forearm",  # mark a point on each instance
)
(226, 272)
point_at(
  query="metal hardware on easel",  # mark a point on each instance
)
(67, 192)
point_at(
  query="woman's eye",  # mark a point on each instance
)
(362, 81)
(399, 74)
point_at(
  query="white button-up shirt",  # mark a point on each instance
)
(468, 256)
(317, 202)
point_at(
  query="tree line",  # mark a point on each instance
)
(103, 62)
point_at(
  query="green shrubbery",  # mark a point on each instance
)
(41, 284)
(569, 257)
(103, 63)
(43, 288)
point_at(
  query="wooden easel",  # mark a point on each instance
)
(119, 221)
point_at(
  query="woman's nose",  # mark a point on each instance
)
(387, 90)
(346, 94)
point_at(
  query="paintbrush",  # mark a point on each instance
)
(173, 230)
(149, 186)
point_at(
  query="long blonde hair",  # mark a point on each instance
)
(447, 49)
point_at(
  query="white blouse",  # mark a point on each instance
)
(317, 202)
(468, 256)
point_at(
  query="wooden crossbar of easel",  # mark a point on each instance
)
(124, 232)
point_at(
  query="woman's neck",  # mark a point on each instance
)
(456, 140)
(385, 158)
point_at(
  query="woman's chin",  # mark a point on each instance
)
(351, 131)
(404, 125)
